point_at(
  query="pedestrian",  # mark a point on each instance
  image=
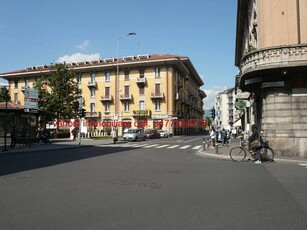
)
(240, 136)
(114, 135)
(213, 136)
(13, 137)
(254, 142)
(224, 137)
(74, 133)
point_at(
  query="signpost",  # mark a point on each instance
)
(31, 100)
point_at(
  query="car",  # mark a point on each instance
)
(163, 133)
(134, 135)
(152, 133)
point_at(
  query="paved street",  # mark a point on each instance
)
(157, 184)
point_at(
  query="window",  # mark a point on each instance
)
(127, 72)
(141, 90)
(142, 73)
(157, 89)
(107, 91)
(79, 77)
(93, 92)
(127, 106)
(158, 106)
(142, 105)
(26, 82)
(92, 107)
(15, 98)
(16, 84)
(93, 77)
(157, 72)
(107, 107)
(107, 75)
(127, 90)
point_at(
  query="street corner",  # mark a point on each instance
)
(211, 153)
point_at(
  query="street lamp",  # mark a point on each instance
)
(5, 91)
(117, 80)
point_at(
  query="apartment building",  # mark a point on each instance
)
(227, 116)
(148, 91)
(271, 54)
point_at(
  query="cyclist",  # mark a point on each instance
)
(255, 136)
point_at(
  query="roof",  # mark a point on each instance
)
(129, 60)
(10, 106)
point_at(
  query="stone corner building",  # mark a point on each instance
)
(271, 54)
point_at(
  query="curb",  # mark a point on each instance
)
(227, 157)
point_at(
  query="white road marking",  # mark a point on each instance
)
(197, 147)
(173, 146)
(150, 146)
(161, 146)
(185, 147)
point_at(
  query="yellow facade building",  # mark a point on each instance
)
(148, 91)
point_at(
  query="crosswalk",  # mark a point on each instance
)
(304, 165)
(153, 146)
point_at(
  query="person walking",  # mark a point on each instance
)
(13, 137)
(213, 136)
(254, 142)
(224, 137)
(74, 133)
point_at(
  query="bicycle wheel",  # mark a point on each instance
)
(267, 154)
(237, 154)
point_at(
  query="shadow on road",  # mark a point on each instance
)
(18, 162)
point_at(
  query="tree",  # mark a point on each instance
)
(58, 92)
(4, 95)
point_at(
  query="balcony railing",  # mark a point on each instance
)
(141, 80)
(92, 84)
(126, 96)
(93, 114)
(274, 57)
(157, 95)
(142, 113)
(106, 98)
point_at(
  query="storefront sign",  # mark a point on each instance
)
(273, 84)
(159, 116)
(253, 80)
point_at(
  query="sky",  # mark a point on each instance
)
(36, 32)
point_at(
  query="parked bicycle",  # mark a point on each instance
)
(239, 153)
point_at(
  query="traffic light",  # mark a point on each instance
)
(81, 112)
(212, 113)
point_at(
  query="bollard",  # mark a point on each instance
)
(204, 143)
(216, 148)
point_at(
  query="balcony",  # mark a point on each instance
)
(142, 113)
(157, 95)
(269, 59)
(106, 98)
(125, 97)
(92, 84)
(141, 80)
(93, 114)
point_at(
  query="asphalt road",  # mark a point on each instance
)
(148, 187)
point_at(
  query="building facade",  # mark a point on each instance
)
(227, 115)
(147, 91)
(271, 54)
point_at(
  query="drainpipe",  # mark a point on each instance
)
(298, 22)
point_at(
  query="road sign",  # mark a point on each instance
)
(240, 105)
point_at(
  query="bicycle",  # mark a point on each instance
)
(239, 153)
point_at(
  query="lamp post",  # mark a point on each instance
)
(117, 81)
(5, 89)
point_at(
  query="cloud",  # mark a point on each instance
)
(83, 46)
(209, 101)
(78, 57)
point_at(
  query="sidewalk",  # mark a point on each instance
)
(223, 153)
